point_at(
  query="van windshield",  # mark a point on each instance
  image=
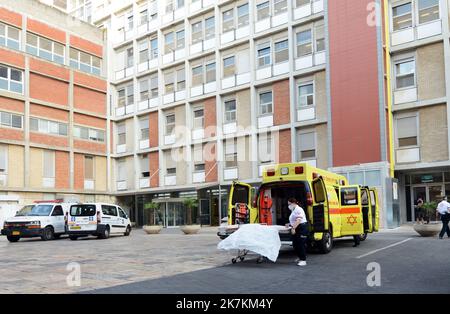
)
(36, 210)
(25, 211)
(82, 210)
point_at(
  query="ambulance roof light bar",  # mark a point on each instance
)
(49, 201)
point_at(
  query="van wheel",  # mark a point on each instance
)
(105, 233)
(326, 244)
(48, 234)
(13, 239)
(127, 232)
(363, 236)
(73, 238)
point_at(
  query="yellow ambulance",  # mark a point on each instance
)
(333, 207)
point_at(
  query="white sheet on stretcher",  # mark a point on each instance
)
(263, 240)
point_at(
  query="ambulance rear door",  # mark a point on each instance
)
(374, 208)
(320, 211)
(241, 195)
(366, 210)
(350, 209)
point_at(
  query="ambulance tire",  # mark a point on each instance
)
(13, 239)
(363, 236)
(48, 234)
(326, 244)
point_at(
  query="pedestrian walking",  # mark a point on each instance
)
(356, 240)
(299, 224)
(444, 210)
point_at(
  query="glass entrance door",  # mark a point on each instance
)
(175, 214)
(418, 192)
(435, 193)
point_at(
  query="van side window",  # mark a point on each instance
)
(109, 210)
(122, 213)
(349, 196)
(58, 211)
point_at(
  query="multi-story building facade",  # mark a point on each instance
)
(357, 87)
(54, 119)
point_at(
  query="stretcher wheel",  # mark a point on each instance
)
(241, 258)
(260, 260)
(233, 260)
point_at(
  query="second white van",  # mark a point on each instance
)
(97, 219)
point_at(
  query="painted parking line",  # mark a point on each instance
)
(384, 248)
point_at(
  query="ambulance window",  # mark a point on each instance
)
(240, 194)
(349, 196)
(372, 198)
(319, 192)
(58, 211)
(364, 198)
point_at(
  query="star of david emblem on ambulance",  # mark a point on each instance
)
(351, 220)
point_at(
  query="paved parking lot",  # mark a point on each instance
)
(175, 263)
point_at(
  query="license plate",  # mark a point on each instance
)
(75, 227)
(15, 233)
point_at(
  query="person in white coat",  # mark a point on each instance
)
(299, 224)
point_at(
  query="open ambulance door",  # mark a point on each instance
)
(374, 209)
(320, 211)
(366, 207)
(351, 211)
(240, 209)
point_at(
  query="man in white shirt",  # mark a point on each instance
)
(444, 210)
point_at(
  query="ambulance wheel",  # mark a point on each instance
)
(48, 234)
(128, 231)
(326, 244)
(363, 236)
(13, 239)
(233, 260)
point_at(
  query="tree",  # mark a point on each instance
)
(152, 207)
(190, 203)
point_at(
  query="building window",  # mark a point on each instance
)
(304, 43)
(264, 58)
(402, 16)
(121, 134)
(48, 164)
(45, 48)
(197, 75)
(143, 51)
(148, 87)
(300, 3)
(231, 154)
(320, 36)
(170, 124)
(265, 103)
(265, 148)
(227, 21)
(130, 57)
(89, 134)
(428, 11)
(169, 82)
(121, 170)
(210, 72)
(180, 39)
(230, 111)
(181, 80)
(199, 118)
(228, 66)
(3, 159)
(307, 145)
(197, 32)
(11, 120)
(306, 95)
(243, 15)
(171, 171)
(11, 79)
(281, 51)
(405, 74)
(210, 28)
(88, 168)
(169, 44)
(84, 62)
(407, 131)
(263, 11)
(143, 17)
(125, 96)
(144, 128)
(48, 127)
(280, 6)
(9, 36)
(199, 167)
(153, 48)
(145, 166)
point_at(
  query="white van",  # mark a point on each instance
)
(97, 219)
(45, 220)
